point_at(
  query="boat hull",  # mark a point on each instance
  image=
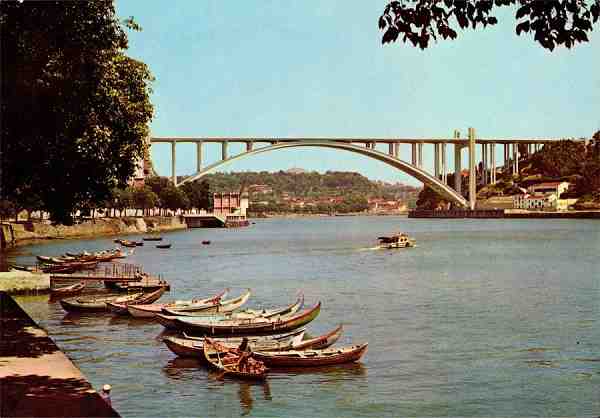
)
(239, 328)
(299, 358)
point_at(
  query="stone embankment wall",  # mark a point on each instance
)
(16, 282)
(23, 233)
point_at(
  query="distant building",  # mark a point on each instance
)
(143, 169)
(232, 206)
(556, 187)
(295, 170)
(537, 201)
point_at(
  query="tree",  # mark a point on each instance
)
(430, 199)
(73, 104)
(157, 183)
(552, 23)
(7, 209)
(560, 159)
(123, 199)
(144, 198)
(198, 194)
(173, 198)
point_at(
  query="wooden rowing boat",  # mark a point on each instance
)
(211, 307)
(152, 238)
(312, 358)
(165, 246)
(151, 310)
(232, 362)
(193, 347)
(123, 307)
(67, 290)
(95, 304)
(255, 326)
(228, 313)
(320, 342)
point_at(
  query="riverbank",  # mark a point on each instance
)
(322, 215)
(502, 213)
(23, 233)
(37, 379)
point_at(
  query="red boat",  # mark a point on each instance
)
(233, 362)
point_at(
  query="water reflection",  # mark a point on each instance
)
(245, 394)
(333, 372)
(181, 368)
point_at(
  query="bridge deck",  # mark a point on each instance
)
(465, 142)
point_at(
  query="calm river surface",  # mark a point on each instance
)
(483, 318)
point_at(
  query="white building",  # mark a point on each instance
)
(556, 187)
(538, 201)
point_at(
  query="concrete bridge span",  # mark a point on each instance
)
(513, 151)
(391, 160)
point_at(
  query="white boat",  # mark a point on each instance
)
(399, 240)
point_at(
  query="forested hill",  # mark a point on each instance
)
(309, 184)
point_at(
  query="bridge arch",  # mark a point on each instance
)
(421, 175)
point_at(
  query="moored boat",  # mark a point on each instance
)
(95, 304)
(320, 342)
(67, 290)
(227, 313)
(152, 239)
(218, 306)
(151, 310)
(122, 308)
(312, 358)
(193, 347)
(163, 246)
(233, 363)
(238, 327)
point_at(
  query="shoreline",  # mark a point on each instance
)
(13, 235)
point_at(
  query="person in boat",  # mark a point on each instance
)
(245, 353)
(105, 394)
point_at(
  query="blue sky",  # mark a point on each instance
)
(317, 68)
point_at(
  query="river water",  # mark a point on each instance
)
(483, 318)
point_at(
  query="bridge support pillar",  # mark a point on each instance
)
(249, 145)
(444, 168)
(493, 161)
(173, 159)
(515, 148)
(472, 174)
(199, 156)
(457, 164)
(436, 160)
(484, 164)
(506, 156)
(224, 150)
(414, 154)
(397, 150)
(391, 149)
(420, 155)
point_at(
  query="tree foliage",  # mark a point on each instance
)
(74, 106)
(560, 159)
(429, 199)
(552, 23)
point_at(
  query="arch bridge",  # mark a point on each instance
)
(367, 147)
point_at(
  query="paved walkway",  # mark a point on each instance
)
(36, 378)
